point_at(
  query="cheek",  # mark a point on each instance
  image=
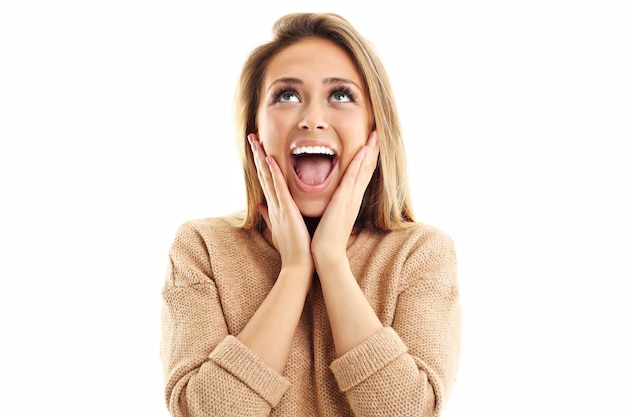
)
(273, 130)
(356, 122)
(272, 127)
(354, 132)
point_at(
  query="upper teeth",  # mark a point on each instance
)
(323, 150)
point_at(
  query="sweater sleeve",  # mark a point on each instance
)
(409, 369)
(207, 371)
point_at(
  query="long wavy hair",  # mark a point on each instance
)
(386, 203)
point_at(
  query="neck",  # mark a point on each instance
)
(311, 224)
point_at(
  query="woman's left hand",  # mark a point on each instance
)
(335, 227)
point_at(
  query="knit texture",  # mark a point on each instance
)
(219, 275)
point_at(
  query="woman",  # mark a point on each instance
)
(325, 297)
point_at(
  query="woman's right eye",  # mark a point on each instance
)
(286, 95)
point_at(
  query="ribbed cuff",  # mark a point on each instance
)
(237, 359)
(367, 358)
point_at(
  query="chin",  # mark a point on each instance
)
(312, 209)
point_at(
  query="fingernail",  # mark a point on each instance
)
(252, 142)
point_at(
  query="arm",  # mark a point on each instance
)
(207, 371)
(270, 331)
(406, 368)
(411, 366)
(351, 317)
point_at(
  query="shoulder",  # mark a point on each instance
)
(430, 239)
(425, 252)
(197, 244)
(421, 237)
(433, 255)
(209, 228)
(197, 238)
(425, 232)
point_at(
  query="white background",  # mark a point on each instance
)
(116, 126)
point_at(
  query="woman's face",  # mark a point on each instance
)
(313, 116)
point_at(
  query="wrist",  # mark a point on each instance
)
(296, 273)
(330, 261)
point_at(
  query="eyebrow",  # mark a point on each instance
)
(325, 81)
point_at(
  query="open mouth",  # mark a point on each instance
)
(313, 164)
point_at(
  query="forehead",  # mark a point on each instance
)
(313, 58)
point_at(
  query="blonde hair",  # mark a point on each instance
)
(386, 204)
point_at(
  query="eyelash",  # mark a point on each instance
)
(283, 90)
(344, 89)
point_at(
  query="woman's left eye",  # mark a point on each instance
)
(342, 96)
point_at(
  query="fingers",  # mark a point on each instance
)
(288, 230)
(370, 160)
(281, 190)
(338, 219)
(262, 168)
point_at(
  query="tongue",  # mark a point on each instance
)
(313, 170)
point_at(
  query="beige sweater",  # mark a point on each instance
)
(219, 275)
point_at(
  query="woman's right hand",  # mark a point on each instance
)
(289, 233)
(270, 331)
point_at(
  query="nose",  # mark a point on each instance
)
(313, 118)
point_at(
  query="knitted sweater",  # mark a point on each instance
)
(219, 275)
